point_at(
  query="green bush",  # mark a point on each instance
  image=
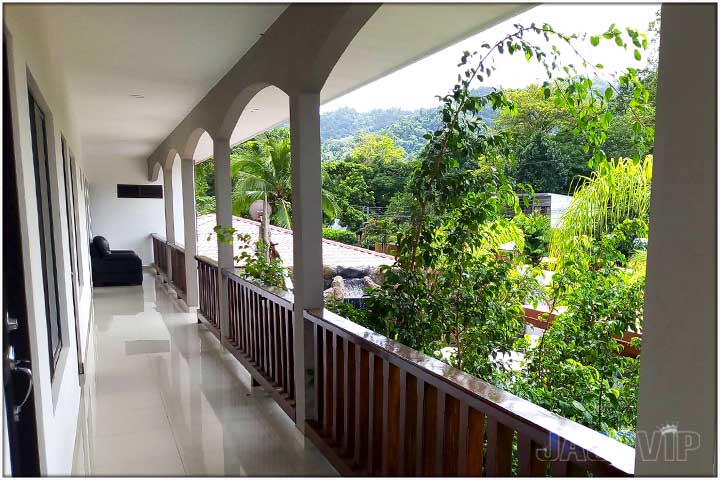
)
(343, 236)
(536, 229)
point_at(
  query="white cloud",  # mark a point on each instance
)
(417, 85)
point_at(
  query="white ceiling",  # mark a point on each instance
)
(173, 54)
(170, 54)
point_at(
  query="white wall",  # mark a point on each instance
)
(56, 400)
(126, 222)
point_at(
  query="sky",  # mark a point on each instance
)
(439, 71)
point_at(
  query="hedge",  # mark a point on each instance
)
(344, 236)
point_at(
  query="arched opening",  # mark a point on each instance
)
(200, 149)
(260, 170)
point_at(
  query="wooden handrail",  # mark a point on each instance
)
(208, 260)
(277, 295)
(595, 452)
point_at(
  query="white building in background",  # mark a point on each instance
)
(551, 205)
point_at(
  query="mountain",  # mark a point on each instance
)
(340, 128)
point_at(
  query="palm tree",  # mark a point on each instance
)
(260, 169)
(617, 190)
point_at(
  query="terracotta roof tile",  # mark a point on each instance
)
(334, 253)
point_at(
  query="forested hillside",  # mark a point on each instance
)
(340, 129)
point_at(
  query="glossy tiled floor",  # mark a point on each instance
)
(161, 397)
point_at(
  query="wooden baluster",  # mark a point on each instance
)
(439, 432)
(248, 322)
(529, 463)
(499, 449)
(242, 318)
(409, 461)
(429, 431)
(362, 401)
(291, 358)
(402, 422)
(278, 344)
(263, 334)
(376, 416)
(319, 339)
(328, 382)
(392, 449)
(266, 339)
(349, 395)
(270, 334)
(272, 317)
(420, 422)
(470, 445)
(338, 383)
(231, 310)
(256, 324)
(451, 447)
(285, 352)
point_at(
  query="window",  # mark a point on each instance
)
(45, 222)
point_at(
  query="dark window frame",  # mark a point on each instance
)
(47, 245)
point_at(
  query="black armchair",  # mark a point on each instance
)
(114, 267)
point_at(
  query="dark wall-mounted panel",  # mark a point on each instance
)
(139, 191)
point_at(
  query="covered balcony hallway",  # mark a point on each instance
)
(162, 397)
(103, 99)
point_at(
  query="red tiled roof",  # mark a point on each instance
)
(334, 253)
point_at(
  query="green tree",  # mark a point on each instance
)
(346, 182)
(374, 147)
(261, 168)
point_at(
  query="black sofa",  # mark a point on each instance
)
(114, 267)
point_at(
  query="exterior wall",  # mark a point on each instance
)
(126, 222)
(56, 401)
(558, 205)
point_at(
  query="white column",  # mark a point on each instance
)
(188, 200)
(169, 216)
(678, 374)
(223, 217)
(169, 207)
(307, 242)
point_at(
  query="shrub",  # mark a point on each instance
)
(343, 236)
(536, 230)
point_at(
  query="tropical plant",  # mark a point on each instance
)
(576, 368)
(253, 259)
(536, 235)
(616, 191)
(343, 236)
(262, 170)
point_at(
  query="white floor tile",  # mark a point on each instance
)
(162, 397)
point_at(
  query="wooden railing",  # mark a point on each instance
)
(383, 408)
(260, 336)
(208, 289)
(177, 270)
(386, 409)
(159, 253)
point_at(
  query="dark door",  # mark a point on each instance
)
(17, 370)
